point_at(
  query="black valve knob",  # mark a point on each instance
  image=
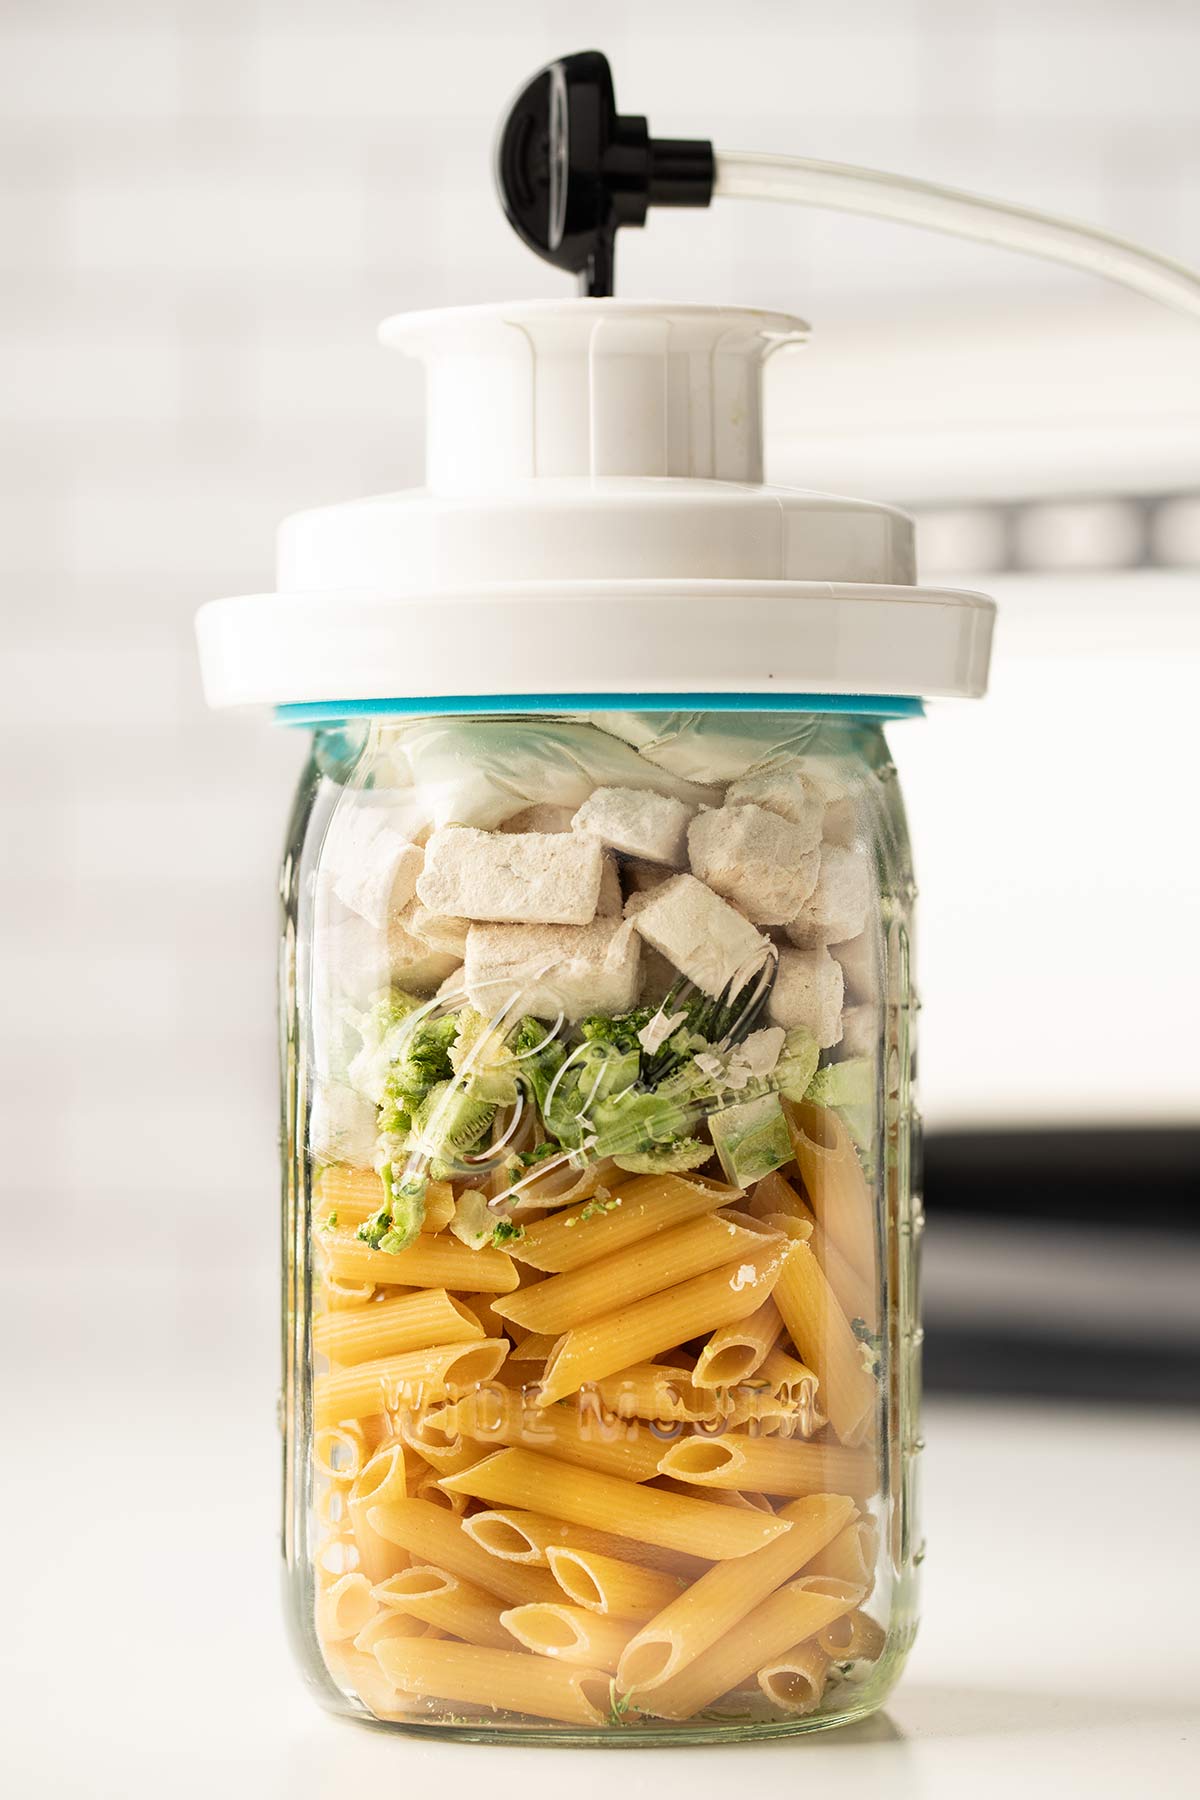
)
(571, 170)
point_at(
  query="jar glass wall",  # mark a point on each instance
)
(600, 1310)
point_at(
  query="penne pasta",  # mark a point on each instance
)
(734, 1352)
(418, 1377)
(605, 1584)
(338, 1295)
(637, 1208)
(344, 1607)
(851, 1555)
(796, 1681)
(527, 1537)
(428, 1316)
(358, 1671)
(821, 1333)
(450, 1602)
(853, 1637)
(789, 1616)
(585, 1497)
(340, 1451)
(429, 1489)
(352, 1195)
(534, 1347)
(713, 1605)
(495, 1416)
(385, 1625)
(506, 1679)
(570, 1633)
(771, 1465)
(380, 1482)
(775, 1194)
(432, 1262)
(637, 1332)
(855, 1292)
(434, 1536)
(837, 1189)
(647, 1267)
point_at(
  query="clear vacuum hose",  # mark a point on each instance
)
(844, 188)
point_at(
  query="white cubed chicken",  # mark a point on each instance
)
(637, 822)
(837, 908)
(789, 793)
(548, 969)
(860, 1030)
(763, 863)
(533, 878)
(342, 1126)
(373, 867)
(353, 961)
(697, 932)
(858, 957)
(807, 991)
(437, 930)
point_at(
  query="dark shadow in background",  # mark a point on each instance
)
(1102, 1185)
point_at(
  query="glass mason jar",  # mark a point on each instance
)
(601, 1346)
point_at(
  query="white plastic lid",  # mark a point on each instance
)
(594, 523)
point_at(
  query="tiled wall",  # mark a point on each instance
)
(205, 206)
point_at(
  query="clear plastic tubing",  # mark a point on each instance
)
(842, 187)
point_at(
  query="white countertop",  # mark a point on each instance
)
(143, 1652)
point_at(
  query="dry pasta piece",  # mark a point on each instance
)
(821, 1333)
(497, 1416)
(508, 1679)
(638, 1332)
(557, 1187)
(345, 1607)
(386, 1625)
(570, 1633)
(857, 1294)
(795, 1682)
(415, 1378)
(338, 1295)
(851, 1555)
(789, 1616)
(381, 1481)
(772, 1465)
(432, 1262)
(637, 1208)
(340, 1451)
(354, 1194)
(735, 1352)
(647, 1267)
(444, 1455)
(714, 1604)
(535, 1347)
(427, 1316)
(837, 1189)
(358, 1672)
(527, 1537)
(432, 1535)
(606, 1584)
(654, 1390)
(430, 1489)
(775, 1194)
(853, 1637)
(585, 1497)
(451, 1602)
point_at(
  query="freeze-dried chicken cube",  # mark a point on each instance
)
(699, 933)
(763, 863)
(807, 991)
(637, 822)
(837, 908)
(548, 969)
(537, 878)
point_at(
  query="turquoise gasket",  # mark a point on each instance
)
(866, 706)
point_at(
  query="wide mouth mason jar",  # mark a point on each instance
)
(601, 1226)
(601, 1343)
